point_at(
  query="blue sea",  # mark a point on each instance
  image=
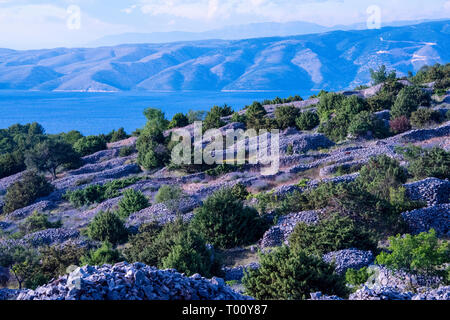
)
(101, 112)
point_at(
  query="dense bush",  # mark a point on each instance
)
(239, 190)
(399, 125)
(423, 253)
(222, 169)
(56, 259)
(25, 191)
(224, 221)
(23, 263)
(292, 275)
(89, 145)
(256, 117)
(179, 120)
(380, 174)
(425, 117)
(106, 254)
(408, 100)
(385, 98)
(50, 155)
(118, 135)
(169, 193)
(151, 144)
(132, 201)
(307, 120)
(38, 221)
(279, 100)
(328, 104)
(331, 234)
(236, 117)
(71, 137)
(107, 226)
(425, 163)
(11, 163)
(213, 117)
(195, 116)
(173, 246)
(127, 151)
(429, 74)
(285, 116)
(357, 277)
(365, 122)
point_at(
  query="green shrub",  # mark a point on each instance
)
(307, 120)
(50, 155)
(423, 253)
(213, 117)
(173, 246)
(236, 117)
(132, 201)
(195, 116)
(127, 151)
(286, 274)
(37, 222)
(385, 98)
(118, 135)
(256, 117)
(425, 117)
(107, 226)
(380, 174)
(239, 191)
(224, 221)
(285, 116)
(179, 120)
(408, 100)
(11, 163)
(399, 125)
(425, 163)
(25, 191)
(222, 169)
(56, 259)
(71, 137)
(381, 75)
(106, 254)
(331, 234)
(89, 145)
(169, 193)
(364, 122)
(329, 102)
(357, 277)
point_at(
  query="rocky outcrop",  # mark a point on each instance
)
(163, 213)
(321, 296)
(279, 234)
(48, 237)
(349, 259)
(136, 281)
(25, 212)
(435, 217)
(433, 191)
(441, 293)
(380, 293)
(7, 181)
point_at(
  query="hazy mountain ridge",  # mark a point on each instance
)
(333, 60)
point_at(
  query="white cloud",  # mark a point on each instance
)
(38, 26)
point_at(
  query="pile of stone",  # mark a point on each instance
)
(380, 293)
(435, 217)
(136, 281)
(431, 190)
(320, 296)
(26, 211)
(163, 213)
(279, 234)
(48, 237)
(349, 259)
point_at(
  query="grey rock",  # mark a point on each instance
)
(431, 190)
(436, 217)
(349, 259)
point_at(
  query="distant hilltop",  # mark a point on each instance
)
(335, 60)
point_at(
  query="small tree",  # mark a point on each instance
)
(424, 117)
(224, 221)
(179, 120)
(38, 221)
(132, 201)
(50, 155)
(168, 193)
(307, 120)
(285, 116)
(381, 75)
(89, 145)
(106, 254)
(399, 125)
(23, 263)
(107, 226)
(25, 191)
(408, 100)
(285, 274)
(421, 254)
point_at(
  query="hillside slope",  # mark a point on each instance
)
(333, 60)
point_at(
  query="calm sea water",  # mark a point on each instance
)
(94, 113)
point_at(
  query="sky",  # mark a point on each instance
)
(35, 24)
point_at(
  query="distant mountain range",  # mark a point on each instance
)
(237, 32)
(332, 60)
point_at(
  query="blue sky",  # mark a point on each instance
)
(28, 24)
